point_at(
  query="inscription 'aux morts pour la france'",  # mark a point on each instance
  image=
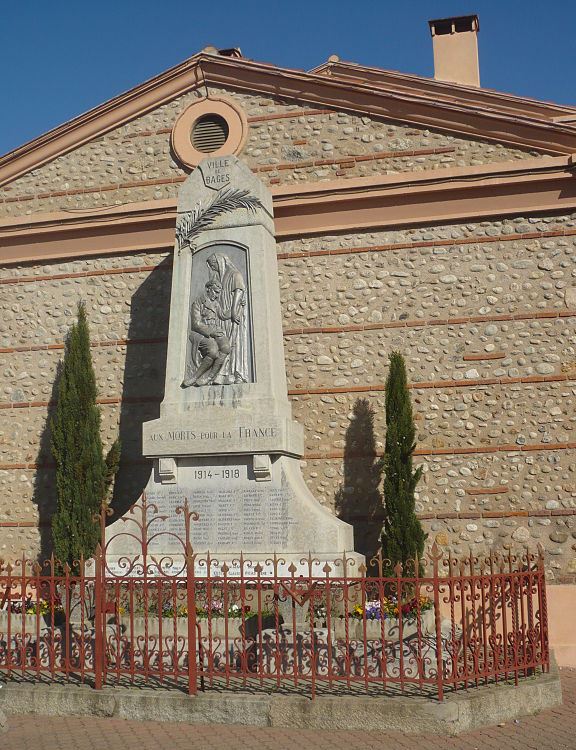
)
(244, 433)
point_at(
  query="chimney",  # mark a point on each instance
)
(455, 43)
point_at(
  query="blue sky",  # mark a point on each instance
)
(62, 58)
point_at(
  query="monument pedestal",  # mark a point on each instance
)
(225, 442)
(240, 514)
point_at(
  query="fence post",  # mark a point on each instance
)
(99, 635)
(544, 643)
(436, 556)
(191, 607)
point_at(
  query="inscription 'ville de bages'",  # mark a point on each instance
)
(238, 433)
(216, 173)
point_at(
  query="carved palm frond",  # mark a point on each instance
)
(184, 229)
(194, 222)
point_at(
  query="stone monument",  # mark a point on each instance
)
(225, 440)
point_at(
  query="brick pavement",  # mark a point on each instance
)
(554, 729)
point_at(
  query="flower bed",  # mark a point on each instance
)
(388, 608)
(389, 628)
(212, 619)
(387, 618)
(30, 615)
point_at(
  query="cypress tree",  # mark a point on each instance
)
(403, 537)
(83, 475)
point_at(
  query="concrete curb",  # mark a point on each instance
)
(463, 712)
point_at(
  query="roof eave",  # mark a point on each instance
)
(432, 87)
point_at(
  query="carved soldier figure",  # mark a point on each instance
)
(210, 344)
(234, 298)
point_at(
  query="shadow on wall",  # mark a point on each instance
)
(143, 387)
(44, 490)
(359, 499)
(142, 391)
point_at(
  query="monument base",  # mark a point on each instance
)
(255, 509)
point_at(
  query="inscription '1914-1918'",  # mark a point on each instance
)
(244, 433)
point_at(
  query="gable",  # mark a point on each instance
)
(289, 142)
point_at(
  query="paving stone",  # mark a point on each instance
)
(549, 730)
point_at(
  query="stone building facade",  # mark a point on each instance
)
(416, 215)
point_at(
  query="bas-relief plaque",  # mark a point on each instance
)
(234, 512)
(219, 347)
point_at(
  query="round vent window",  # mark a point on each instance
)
(209, 133)
(215, 126)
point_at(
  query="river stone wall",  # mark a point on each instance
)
(484, 313)
(288, 142)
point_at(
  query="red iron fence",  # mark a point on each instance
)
(191, 622)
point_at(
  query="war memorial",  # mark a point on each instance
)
(250, 245)
(225, 439)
